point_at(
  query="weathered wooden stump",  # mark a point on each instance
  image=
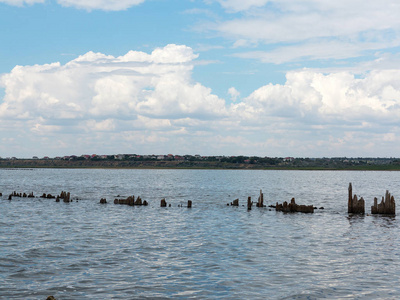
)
(67, 197)
(31, 195)
(260, 202)
(293, 207)
(189, 205)
(63, 195)
(163, 203)
(130, 200)
(123, 201)
(103, 201)
(10, 197)
(386, 207)
(249, 203)
(235, 202)
(355, 206)
(138, 201)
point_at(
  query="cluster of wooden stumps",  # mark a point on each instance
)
(284, 207)
(66, 197)
(128, 201)
(293, 207)
(20, 195)
(355, 206)
(132, 202)
(386, 207)
(260, 202)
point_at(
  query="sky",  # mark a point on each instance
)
(310, 78)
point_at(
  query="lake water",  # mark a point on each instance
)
(85, 250)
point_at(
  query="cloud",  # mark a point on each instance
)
(107, 5)
(234, 93)
(21, 2)
(100, 95)
(335, 100)
(312, 51)
(240, 5)
(149, 102)
(293, 30)
(95, 85)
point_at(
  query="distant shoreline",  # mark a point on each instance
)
(215, 165)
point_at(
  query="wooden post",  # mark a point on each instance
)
(355, 206)
(350, 199)
(260, 202)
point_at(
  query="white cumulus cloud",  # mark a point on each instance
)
(21, 2)
(149, 100)
(234, 93)
(321, 98)
(98, 85)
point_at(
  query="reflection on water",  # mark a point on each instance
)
(84, 250)
(385, 221)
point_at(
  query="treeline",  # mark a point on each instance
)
(206, 162)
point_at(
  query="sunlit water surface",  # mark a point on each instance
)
(85, 250)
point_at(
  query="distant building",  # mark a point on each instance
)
(288, 159)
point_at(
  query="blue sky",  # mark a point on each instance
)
(217, 77)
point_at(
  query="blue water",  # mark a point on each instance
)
(85, 250)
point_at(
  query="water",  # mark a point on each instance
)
(84, 250)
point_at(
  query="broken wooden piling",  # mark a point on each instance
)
(293, 207)
(138, 201)
(235, 202)
(355, 206)
(260, 202)
(131, 201)
(249, 203)
(386, 207)
(63, 195)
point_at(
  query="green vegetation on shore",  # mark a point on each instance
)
(205, 162)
